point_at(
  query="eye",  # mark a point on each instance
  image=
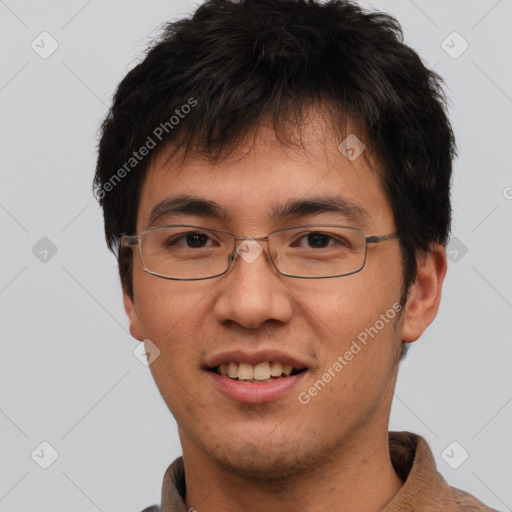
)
(191, 240)
(318, 240)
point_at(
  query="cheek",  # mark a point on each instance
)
(166, 307)
(343, 307)
(174, 316)
(354, 323)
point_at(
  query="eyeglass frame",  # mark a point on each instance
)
(127, 241)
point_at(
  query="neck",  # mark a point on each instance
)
(358, 476)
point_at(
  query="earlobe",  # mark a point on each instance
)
(133, 318)
(425, 293)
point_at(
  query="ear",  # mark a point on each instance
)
(131, 313)
(425, 293)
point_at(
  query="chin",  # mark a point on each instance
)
(265, 462)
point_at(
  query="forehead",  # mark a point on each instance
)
(264, 178)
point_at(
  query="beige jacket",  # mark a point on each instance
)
(424, 490)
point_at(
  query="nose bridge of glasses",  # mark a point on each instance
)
(250, 249)
(245, 244)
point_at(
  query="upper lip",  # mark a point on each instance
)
(241, 356)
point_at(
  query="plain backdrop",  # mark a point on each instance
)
(68, 375)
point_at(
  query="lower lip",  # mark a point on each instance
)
(254, 393)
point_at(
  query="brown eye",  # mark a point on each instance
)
(318, 240)
(196, 240)
(191, 240)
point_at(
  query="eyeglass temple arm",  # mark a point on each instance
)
(129, 241)
(381, 238)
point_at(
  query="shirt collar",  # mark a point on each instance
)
(424, 488)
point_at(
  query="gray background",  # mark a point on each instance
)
(67, 372)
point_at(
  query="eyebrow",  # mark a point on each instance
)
(293, 208)
(322, 204)
(187, 205)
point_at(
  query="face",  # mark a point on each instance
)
(337, 392)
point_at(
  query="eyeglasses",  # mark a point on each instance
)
(187, 253)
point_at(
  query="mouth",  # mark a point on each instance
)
(262, 372)
(255, 378)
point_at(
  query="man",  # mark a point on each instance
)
(275, 178)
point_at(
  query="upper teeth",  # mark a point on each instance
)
(260, 371)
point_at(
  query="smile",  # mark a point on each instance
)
(265, 371)
(255, 378)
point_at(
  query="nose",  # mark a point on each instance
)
(253, 292)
